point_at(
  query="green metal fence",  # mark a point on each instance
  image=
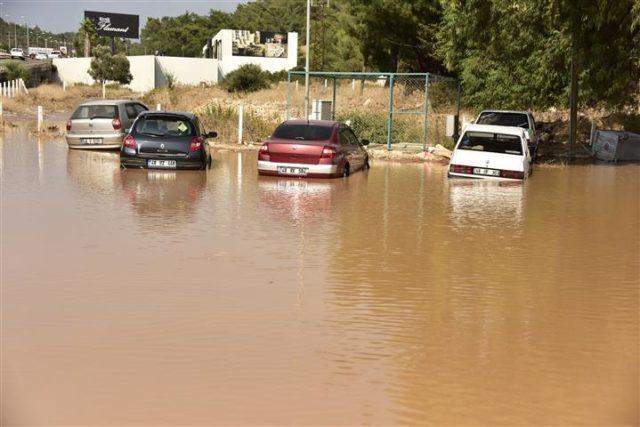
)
(386, 108)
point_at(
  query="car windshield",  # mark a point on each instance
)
(96, 112)
(491, 142)
(504, 119)
(164, 126)
(303, 132)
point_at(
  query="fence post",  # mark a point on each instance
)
(390, 123)
(1, 114)
(104, 90)
(40, 117)
(158, 107)
(64, 86)
(24, 87)
(333, 102)
(240, 122)
(287, 114)
(353, 84)
(426, 113)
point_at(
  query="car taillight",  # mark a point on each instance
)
(461, 169)
(69, 124)
(117, 124)
(511, 174)
(129, 142)
(328, 153)
(196, 144)
(264, 149)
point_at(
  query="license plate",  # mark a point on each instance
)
(488, 172)
(162, 164)
(91, 141)
(292, 170)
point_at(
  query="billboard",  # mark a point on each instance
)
(259, 43)
(114, 24)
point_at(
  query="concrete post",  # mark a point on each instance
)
(353, 84)
(104, 90)
(240, 122)
(158, 107)
(40, 117)
(64, 86)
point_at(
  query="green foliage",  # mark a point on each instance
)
(517, 55)
(15, 70)
(373, 126)
(247, 78)
(105, 66)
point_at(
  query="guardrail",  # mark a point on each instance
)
(11, 88)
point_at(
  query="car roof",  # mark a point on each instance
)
(327, 123)
(108, 102)
(504, 111)
(186, 114)
(505, 130)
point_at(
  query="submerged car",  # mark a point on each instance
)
(521, 119)
(312, 148)
(102, 124)
(496, 152)
(166, 140)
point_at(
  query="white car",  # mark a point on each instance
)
(522, 119)
(17, 53)
(495, 152)
(41, 56)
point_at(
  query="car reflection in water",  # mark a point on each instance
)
(297, 199)
(486, 204)
(94, 172)
(163, 195)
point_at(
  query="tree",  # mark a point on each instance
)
(247, 78)
(85, 37)
(108, 67)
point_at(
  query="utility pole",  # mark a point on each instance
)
(26, 24)
(306, 67)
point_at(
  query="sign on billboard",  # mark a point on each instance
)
(114, 24)
(259, 43)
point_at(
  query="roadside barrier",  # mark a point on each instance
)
(11, 88)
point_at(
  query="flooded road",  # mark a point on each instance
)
(392, 297)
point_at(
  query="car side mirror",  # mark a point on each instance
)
(212, 134)
(127, 130)
(365, 142)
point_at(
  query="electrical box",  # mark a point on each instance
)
(321, 110)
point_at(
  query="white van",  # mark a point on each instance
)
(495, 152)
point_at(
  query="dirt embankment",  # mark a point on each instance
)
(266, 108)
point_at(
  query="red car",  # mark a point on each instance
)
(312, 148)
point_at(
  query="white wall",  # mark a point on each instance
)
(148, 71)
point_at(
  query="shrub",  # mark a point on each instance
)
(247, 78)
(105, 66)
(15, 70)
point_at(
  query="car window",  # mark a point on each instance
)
(352, 137)
(131, 111)
(491, 142)
(303, 132)
(504, 119)
(139, 108)
(95, 112)
(344, 137)
(158, 125)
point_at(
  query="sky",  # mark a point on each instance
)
(65, 15)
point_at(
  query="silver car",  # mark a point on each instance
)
(102, 124)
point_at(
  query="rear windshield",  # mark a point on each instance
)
(164, 126)
(304, 132)
(96, 112)
(504, 119)
(491, 142)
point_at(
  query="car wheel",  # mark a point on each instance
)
(366, 165)
(345, 170)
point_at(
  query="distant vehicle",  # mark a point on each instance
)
(17, 53)
(312, 148)
(166, 140)
(55, 54)
(522, 119)
(102, 124)
(487, 151)
(4, 54)
(40, 56)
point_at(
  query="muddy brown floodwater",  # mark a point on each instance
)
(392, 297)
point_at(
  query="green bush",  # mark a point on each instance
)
(247, 78)
(15, 70)
(407, 129)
